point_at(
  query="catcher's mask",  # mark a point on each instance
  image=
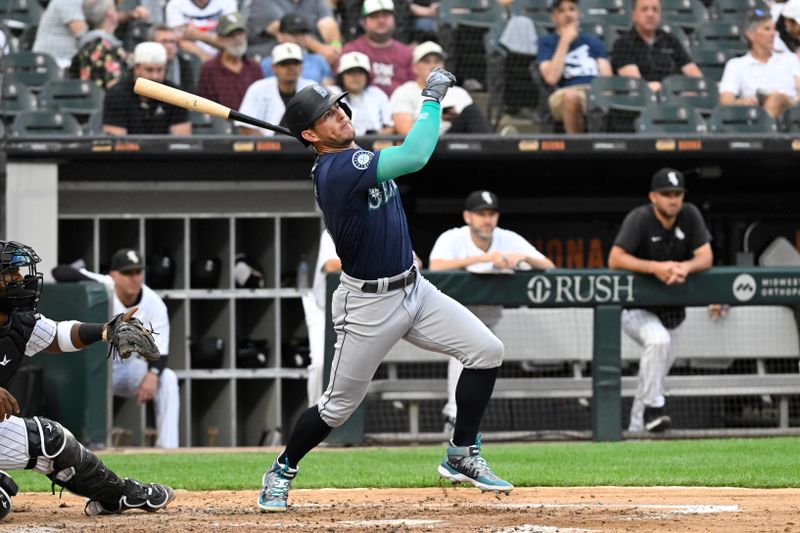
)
(20, 283)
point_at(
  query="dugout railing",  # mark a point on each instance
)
(569, 320)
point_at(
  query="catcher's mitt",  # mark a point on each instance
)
(126, 337)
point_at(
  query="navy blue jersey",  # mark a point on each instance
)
(364, 217)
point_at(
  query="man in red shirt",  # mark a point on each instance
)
(390, 59)
(226, 77)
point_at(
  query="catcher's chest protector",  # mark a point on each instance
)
(14, 337)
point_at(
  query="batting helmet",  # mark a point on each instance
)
(205, 272)
(308, 105)
(20, 283)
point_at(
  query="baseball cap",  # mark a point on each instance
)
(552, 4)
(756, 16)
(668, 179)
(230, 23)
(149, 52)
(126, 259)
(373, 6)
(286, 52)
(791, 10)
(352, 60)
(482, 199)
(428, 47)
(294, 23)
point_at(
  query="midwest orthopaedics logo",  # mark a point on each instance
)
(744, 287)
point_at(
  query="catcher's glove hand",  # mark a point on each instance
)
(127, 335)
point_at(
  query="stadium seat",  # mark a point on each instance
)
(611, 12)
(536, 10)
(94, 124)
(678, 32)
(26, 38)
(698, 93)
(790, 120)
(734, 10)
(475, 13)
(205, 124)
(741, 119)
(720, 36)
(34, 123)
(20, 14)
(16, 97)
(688, 14)
(31, 68)
(711, 62)
(595, 25)
(670, 119)
(615, 101)
(8, 38)
(77, 97)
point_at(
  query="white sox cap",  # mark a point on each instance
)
(373, 6)
(354, 60)
(428, 47)
(149, 52)
(286, 52)
(791, 10)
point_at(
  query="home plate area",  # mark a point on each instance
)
(541, 509)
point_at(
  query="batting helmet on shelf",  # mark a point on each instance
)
(160, 271)
(208, 352)
(308, 105)
(248, 273)
(252, 353)
(206, 272)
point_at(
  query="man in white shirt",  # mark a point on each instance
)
(459, 113)
(136, 377)
(266, 99)
(59, 28)
(368, 103)
(763, 76)
(196, 22)
(481, 247)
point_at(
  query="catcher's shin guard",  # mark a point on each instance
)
(8, 488)
(74, 467)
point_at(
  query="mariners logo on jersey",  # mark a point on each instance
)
(362, 158)
(378, 196)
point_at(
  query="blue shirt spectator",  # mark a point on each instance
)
(314, 68)
(580, 63)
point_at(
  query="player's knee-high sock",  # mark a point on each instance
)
(309, 431)
(473, 391)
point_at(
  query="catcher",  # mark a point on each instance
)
(45, 445)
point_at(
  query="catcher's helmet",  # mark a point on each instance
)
(20, 283)
(308, 105)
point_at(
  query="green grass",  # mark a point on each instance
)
(760, 463)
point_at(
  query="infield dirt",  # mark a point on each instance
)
(435, 509)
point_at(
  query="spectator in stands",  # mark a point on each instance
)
(788, 26)
(762, 76)
(481, 246)
(266, 99)
(263, 25)
(669, 239)
(61, 25)
(569, 60)
(226, 78)
(101, 57)
(125, 112)
(391, 60)
(180, 71)
(295, 29)
(649, 52)
(459, 113)
(370, 105)
(424, 20)
(196, 23)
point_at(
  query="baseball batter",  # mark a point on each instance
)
(668, 239)
(482, 247)
(382, 297)
(38, 443)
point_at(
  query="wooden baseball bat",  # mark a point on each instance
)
(176, 97)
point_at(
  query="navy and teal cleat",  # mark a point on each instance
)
(464, 464)
(275, 487)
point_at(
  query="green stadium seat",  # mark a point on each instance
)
(94, 124)
(475, 13)
(721, 36)
(741, 119)
(205, 124)
(679, 34)
(735, 10)
(790, 120)
(698, 93)
(31, 68)
(26, 38)
(711, 62)
(670, 119)
(688, 14)
(607, 33)
(77, 97)
(20, 14)
(536, 10)
(620, 92)
(35, 123)
(16, 97)
(611, 12)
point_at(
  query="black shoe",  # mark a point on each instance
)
(656, 419)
